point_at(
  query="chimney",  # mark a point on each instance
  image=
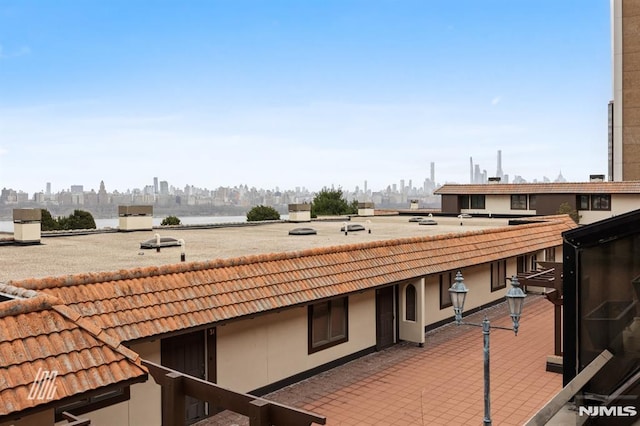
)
(300, 212)
(26, 226)
(135, 218)
(495, 179)
(366, 209)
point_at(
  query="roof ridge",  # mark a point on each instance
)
(98, 332)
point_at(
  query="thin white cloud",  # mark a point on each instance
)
(495, 101)
(22, 51)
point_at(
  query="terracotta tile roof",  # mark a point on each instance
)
(143, 302)
(38, 332)
(629, 187)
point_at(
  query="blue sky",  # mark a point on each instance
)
(300, 93)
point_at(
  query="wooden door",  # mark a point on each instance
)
(185, 353)
(385, 317)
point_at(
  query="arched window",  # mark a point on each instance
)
(410, 303)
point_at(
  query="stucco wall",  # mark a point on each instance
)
(620, 203)
(135, 223)
(478, 281)
(27, 232)
(257, 352)
(144, 404)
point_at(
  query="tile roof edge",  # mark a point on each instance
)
(29, 301)
(178, 268)
(24, 301)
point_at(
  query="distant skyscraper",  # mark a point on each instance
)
(164, 187)
(155, 185)
(433, 172)
(499, 172)
(471, 175)
(48, 190)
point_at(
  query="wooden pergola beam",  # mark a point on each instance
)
(260, 411)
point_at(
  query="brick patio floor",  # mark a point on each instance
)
(440, 384)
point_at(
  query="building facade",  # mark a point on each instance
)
(624, 114)
(257, 323)
(590, 201)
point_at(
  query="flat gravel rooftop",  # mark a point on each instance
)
(111, 251)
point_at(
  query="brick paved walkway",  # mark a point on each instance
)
(440, 384)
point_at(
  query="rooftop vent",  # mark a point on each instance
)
(596, 178)
(366, 209)
(300, 212)
(26, 226)
(135, 218)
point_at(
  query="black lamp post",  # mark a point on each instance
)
(515, 298)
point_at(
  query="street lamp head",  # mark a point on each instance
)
(458, 292)
(515, 299)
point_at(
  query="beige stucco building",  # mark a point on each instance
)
(591, 201)
(259, 322)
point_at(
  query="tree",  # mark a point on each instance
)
(170, 220)
(565, 208)
(330, 202)
(259, 213)
(79, 219)
(47, 222)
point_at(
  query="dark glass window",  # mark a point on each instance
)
(328, 325)
(601, 202)
(532, 202)
(446, 280)
(518, 202)
(550, 254)
(477, 202)
(583, 202)
(498, 275)
(410, 303)
(609, 289)
(464, 202)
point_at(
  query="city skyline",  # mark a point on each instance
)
(287, 94)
